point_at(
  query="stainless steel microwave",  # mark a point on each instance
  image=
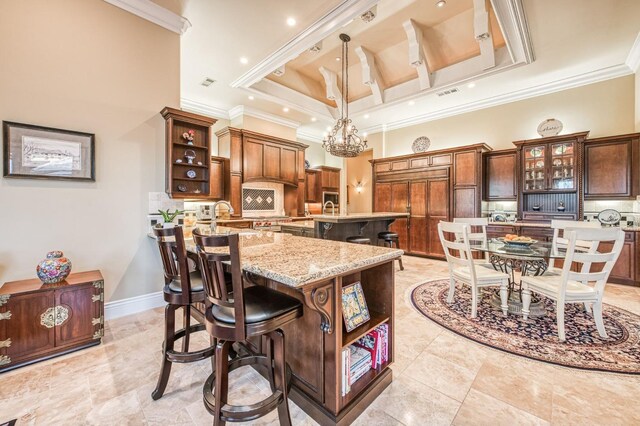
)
(334, 197)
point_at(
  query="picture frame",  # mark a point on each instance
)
(354, 306)
(38, 152)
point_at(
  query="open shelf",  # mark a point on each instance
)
(360, 331)
(186, 145)
(359, 385)
(191, 180)
(200, 166)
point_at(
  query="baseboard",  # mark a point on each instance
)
(133, 305)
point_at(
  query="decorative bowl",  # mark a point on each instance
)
(54, 269)
(517, 243)
(421, 144)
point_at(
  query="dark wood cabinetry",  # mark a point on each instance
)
(432, 187)
(329, 178)
(550, 185)
(256, 157)
(187, 171)
(219, 182)
(500, 179)
(313, 192)
(612, 167)
(39, 321)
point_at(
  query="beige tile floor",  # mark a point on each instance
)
(439, 378)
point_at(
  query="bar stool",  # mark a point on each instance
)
(247, 312)
(388, 240)
(357, 239)
(181, 289)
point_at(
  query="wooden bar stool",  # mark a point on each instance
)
(389, 239)
(247, 312)
(357, 239)
(181, 289)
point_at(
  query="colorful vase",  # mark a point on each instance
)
(54, 268)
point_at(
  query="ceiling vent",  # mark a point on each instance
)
(208, 82)
(448, 92)
(369, 15)
(316, 47)
(279, 72)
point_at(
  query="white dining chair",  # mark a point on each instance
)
(572, 286)
(462, 268)
(476, 237)
(561, 242)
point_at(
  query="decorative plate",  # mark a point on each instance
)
(560, 149)
(421, 144)
(517, 243)
(536, 152)
(549, 127)
(498, 217)
(191, 174)
(182, 187)
(609, 217)
(307, 164)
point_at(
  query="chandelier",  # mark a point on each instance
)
(343, 139)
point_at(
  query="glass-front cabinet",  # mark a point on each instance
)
(549, 167)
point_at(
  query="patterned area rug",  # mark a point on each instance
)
(537, 338)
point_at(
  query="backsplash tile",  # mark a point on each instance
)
(255, 199)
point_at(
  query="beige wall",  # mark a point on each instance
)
(605, 108)
(359, 170)
(637, 96)
(89, 66)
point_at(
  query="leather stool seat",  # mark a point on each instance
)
(261, 304)
(387, 235)
(358, 240)
(196, 283)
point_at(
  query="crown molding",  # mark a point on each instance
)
(515, 29)
(308, 136)
(146, 9)
(531, 92)
(319, 30)
(633, 59)
(202, 108)
(239, 110)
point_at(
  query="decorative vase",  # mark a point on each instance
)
(54, 268)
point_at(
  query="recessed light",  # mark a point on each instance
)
(471, 85)
(313, 119)
(291, 22)
(412, 102)
(251, 97)
(285, 109)
(244, 60)
(328, 128)
(366, 116)
(441, 3)
(338, 58)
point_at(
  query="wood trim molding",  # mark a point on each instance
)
(633, 59)
(146, 9)
(346, 11)
(202, 108)
(481, 147)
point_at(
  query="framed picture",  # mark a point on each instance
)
(354, 307)
(45, 153)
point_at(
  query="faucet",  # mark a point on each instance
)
(214, 222)
(333, 208)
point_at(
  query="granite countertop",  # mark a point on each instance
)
(548, 225)
(357, 217)
(296, 261)
(299, 224)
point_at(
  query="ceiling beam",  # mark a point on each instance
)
(482, 33)
(513, 24)
(282, 95)
(371, 74)
(417, 57)
(331, 83)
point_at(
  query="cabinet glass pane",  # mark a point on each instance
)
(534, 164)
(562, 167)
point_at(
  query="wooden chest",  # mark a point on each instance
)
(39, 321)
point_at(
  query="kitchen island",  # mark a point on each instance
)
(314, 271)
(339, 227)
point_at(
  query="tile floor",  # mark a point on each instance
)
(439, 378)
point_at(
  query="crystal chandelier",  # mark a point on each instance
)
(343, 140)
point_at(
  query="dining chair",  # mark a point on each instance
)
(462, 268)
(561, 242)
(479, 237)
(573, 286)
(248, 312)
(181, 289)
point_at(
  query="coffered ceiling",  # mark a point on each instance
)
(413, 62)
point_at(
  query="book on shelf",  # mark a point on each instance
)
(368, 352)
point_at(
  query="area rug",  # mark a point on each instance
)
(537, 338)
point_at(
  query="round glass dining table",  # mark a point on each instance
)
(516, 261)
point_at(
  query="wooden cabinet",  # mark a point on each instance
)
(39, 321)
(219, 182)
(263, 161)
(187, 169)
(550, 185)
(313, 192)
(612, 167)
(500, 176)
(329, 178)
(298, 231)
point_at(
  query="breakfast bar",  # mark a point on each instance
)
(340, 227)
(314, 343)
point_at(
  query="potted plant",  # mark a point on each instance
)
(169, 217)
